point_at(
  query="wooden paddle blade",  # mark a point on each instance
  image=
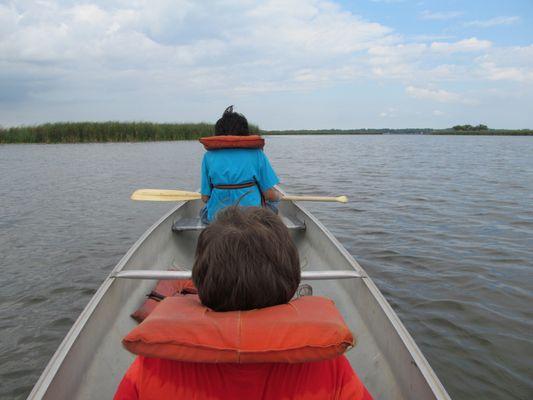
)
(164, 195)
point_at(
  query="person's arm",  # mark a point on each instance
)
(127, 389)
(272, 194)
(206, 182)
(267, 179)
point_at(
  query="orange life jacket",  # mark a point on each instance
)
(233, 142)
(189, 351)
(164, 288)
(182, 329)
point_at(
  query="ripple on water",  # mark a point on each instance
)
(33, 300)
(62, 289)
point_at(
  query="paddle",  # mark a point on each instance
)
(181, 195)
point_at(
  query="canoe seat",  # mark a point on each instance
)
(195, 224)
(187, 224)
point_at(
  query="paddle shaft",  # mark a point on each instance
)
(314, 198)
(180, 195)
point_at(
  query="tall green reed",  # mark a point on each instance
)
(112, 131)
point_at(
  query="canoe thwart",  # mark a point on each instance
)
(195, 224)
(183, 275)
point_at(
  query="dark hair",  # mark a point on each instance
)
(232, 123)
(245, 259)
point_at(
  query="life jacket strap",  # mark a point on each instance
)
(160, 297)
(155, 296)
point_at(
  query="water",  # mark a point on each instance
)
(444, 226)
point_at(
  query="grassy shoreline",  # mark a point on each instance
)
(91, 132)
(94, 132)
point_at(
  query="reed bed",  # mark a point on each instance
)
(85, 132)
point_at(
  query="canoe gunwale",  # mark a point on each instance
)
(50, 371)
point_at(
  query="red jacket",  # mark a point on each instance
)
(160, 379)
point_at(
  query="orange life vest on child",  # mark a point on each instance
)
(287, 351)
(182, 329)
(232, 142)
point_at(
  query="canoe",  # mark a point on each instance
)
(90, 361)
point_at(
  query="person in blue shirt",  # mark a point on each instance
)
(241, 176)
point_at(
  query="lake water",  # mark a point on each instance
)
(443, 225)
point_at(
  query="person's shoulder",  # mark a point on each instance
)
(160, 364)
(342, 361)
(214, 153)
(259, 153)
(241, 152)
(336, 364)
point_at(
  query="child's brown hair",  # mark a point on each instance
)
(245, 259)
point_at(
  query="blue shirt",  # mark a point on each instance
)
(232, 167)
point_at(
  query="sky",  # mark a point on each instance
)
(284, 64)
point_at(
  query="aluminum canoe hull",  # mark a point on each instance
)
(90, 361)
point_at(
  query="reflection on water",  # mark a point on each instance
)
(444, 226)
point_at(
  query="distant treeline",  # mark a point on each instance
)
(406, 131)
(82, 132)
(486, 132)
(476, 128)
(456, 130)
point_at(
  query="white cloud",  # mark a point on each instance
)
(390, 112)
(430, 37)
(507, 64)
(55, 53)
(419, 63)
(489, 23)
(498, 73)
(439, 95)
(172, 40)
(466, 45)
(440, 16)
(395, 61)
(9, 18)
(467, 60)
(513, 55)
(438, 113)
(89, 14)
